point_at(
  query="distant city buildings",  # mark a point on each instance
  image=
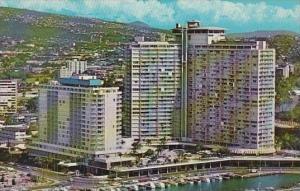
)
(8, 96)
(73, 67)
(152, 90)
(78, 118)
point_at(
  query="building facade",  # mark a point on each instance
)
(73, 67)
(8, 96)
(230, 89)
(78, 118)
(152, 91)
(11, 133)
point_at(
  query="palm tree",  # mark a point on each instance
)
(199, 147)
(161, 145)
(120, 154)
(149, 153)
(136, 146)
(278, 143)
(163, 141)
(148, 142)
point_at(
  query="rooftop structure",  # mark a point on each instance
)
(194, 33)
(81, 81)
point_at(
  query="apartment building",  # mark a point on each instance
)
(152, 90)
(8, 96)
(230, 89)
(73, 67)
(78, 118)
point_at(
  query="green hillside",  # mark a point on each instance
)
(47, 37)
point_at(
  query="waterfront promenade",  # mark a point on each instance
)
(213, 163)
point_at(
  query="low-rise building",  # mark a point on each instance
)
(11, 133)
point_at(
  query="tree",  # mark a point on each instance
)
(163, 141)
(161, 145)
(110, 80)
(180, 155)
(8, 120)
(148, 142)
(199, 147)
(136, 146)
(224, 150)
(120, 154)
(31, 104)
(282, 44)
(149, 153)
(289, 141)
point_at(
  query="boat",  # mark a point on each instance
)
(135, 187)
(269, 188)
(207, 180)
(132, 187)
(181, 182)
(150, 186)
(174, 183)
(219, 178)
(142, 186)
(160, 185)
(226, 177)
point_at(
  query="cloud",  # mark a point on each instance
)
(237, 11)
(122, 10)
(232, 14)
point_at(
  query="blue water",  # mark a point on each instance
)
(275, 181)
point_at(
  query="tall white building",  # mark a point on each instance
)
(230, 89)
(8, 96)
(73, 67)
(152, 91)
(78, 118)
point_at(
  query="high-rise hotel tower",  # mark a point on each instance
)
(152, 90)
(230, 89)
(78, 118)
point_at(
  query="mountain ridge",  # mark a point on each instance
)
(262, 33)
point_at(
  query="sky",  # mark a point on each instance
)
(234, 15)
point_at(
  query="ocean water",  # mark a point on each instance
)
(254, 183)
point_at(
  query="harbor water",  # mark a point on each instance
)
(261, 183)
